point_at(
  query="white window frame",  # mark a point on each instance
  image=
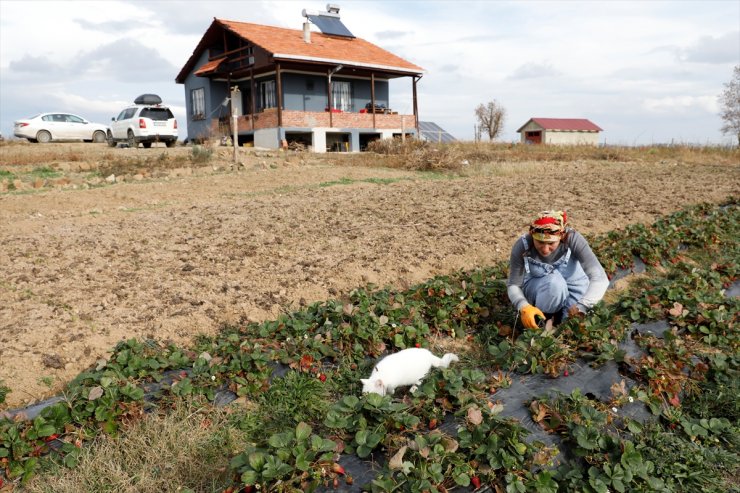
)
(268, 94)
(341, 95)
(198, 103)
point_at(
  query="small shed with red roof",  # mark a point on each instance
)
(562, 131)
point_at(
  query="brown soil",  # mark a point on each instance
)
(171, 253)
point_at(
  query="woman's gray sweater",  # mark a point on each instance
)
(580, 252)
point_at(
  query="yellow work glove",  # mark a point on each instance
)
(529, 316)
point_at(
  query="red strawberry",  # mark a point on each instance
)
(675, 402)
(417, 344)
(432, 423)
(322, 377)
(337, 468)
(565, 373)
(476, 481)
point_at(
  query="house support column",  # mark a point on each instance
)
(416, 105)
(279, 89)
(372, 96)
(254, 95)
(330, 93)
(328, 98)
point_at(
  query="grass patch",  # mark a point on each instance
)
(201, 154)
(4, 390)
(44, 172)
(342, 181)
(185, 449)
(285, 404)
(350, 181)
(459, 156)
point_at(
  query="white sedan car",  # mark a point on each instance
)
(46, 127)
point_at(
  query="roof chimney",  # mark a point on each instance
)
(306, 32)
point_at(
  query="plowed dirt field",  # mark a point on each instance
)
(170, 252)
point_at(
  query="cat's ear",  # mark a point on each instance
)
(364, 380)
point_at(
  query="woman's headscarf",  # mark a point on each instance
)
(549, 226)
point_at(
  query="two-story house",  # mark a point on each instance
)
(327, 90)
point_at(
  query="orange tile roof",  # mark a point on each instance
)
(209, 67)
(288, 44)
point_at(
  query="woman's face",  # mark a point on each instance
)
(545, 248)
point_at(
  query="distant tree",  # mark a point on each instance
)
(490, 118)
(729, 102)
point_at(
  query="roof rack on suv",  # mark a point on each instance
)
(148, 99)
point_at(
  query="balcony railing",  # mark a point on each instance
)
(310, 119)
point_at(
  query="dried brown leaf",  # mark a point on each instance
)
(475, 417)
(396, 461)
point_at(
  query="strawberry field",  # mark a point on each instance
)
(667, 339)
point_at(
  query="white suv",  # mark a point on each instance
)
(146, 122)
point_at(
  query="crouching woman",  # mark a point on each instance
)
(553, 274)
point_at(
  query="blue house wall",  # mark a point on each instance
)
(215, 92)
(306, 92)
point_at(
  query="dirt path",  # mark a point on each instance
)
(170, 257)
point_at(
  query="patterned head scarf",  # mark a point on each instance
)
(549, 226)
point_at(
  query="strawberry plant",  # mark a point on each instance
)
(425, 463)
(298, 460)
(607, 461)
(366, 423)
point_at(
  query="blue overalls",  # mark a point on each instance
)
(553, 287)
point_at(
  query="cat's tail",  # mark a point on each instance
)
(445, 360)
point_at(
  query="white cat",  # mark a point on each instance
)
(406, 367)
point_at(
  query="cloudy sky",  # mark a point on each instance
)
(645, 71)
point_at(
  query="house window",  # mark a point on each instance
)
(198, 103)
(268, 95)
(341, 92)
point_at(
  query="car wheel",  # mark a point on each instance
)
(43, 136)
(132, 139)
(171, 143)
(98, 137)
(111, 142)
(146, 145)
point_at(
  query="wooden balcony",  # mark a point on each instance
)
(307, 119)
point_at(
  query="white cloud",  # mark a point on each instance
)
(534, 70)
(714, 49)
(681, 104)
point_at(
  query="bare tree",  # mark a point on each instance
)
(490, 118)
(729, 102)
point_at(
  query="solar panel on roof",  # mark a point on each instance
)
(432, 132)
(330, 25)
